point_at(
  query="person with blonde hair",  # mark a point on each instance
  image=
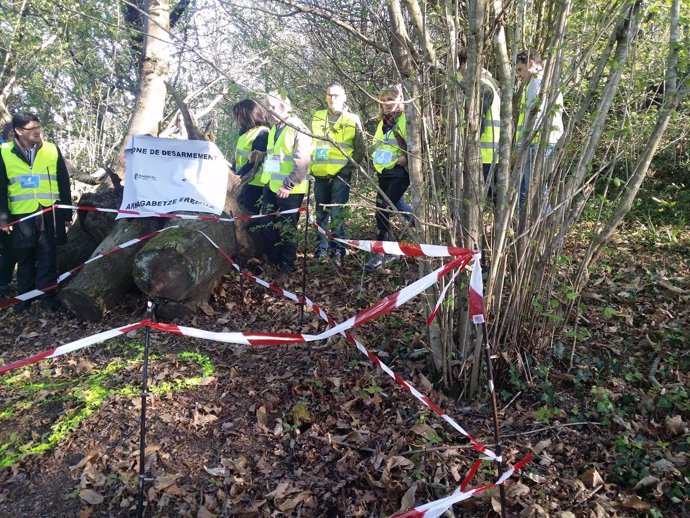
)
(288, 154)
(390, 161)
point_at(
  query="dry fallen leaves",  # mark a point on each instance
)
(91, 497)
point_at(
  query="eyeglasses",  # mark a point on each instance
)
(33, 128)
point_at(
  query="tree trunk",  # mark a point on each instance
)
(180, 267)
(100, 285)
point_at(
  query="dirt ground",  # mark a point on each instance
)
(318, 430)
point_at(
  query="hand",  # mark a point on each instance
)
(256, 156)
(7, 230)
(248, 177)
(401, 161)
(283, 193)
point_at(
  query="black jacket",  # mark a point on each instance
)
(24, 233)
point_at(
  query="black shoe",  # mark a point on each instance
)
(321, 254)
(287, 268)
(21, 307)
(48, 305)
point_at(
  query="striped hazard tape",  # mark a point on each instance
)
(396, 247)
(438, 507)
(29, 295)
(168, 215)
(382, 307)
(71, 347)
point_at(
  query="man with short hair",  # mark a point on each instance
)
(33, 176)
(333, 160)
(529, 68)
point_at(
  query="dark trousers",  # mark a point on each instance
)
(7, 260)
(393, 182)
(331, 189)
(37, 266)
(280, 232)
(249, 198)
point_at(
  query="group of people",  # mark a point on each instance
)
(275, 163)
(33, 177)
(276, 153)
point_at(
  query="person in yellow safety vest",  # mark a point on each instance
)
(33, 176)
(389, 157)
(490, 127)
(7, 261)
(529, 68)
(332, 167)
(288, 154)
(250, 118)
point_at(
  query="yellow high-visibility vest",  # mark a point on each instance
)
(326, 159)
(386, 148)
(31, 187)
(492, 124)
(280, 159)
(242, 151)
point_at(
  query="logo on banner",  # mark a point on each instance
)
(139, 176)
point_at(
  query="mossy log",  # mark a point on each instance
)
(181, 264)
(100, 285)
(178, 268)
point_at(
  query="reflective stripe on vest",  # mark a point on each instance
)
(27, 199)
(282, 149)
(330, 161)
(388, 142)
(242, 151)
(488, 140)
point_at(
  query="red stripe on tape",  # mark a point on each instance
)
(26, 361)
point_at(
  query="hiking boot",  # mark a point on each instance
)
(374, 263)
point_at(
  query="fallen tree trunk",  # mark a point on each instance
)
(90, 227)
(180, 267)
(100, 285)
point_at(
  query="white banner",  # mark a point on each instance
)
(170, 175)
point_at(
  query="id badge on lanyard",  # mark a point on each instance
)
(29, 181)
(321, 154)
(272, 164)
(383, 156)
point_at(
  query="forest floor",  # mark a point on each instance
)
(318, 430)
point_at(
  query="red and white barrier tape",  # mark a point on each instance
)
(169, 215)
(29, 295)
(71, 347)
(385, 305)
(396, 247)
(438, 507)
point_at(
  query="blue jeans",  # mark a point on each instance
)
(331, 190)
(527, 172)
(406, 210)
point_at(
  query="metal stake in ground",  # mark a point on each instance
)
(494, 408)
(304, 256)
(142, 419)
